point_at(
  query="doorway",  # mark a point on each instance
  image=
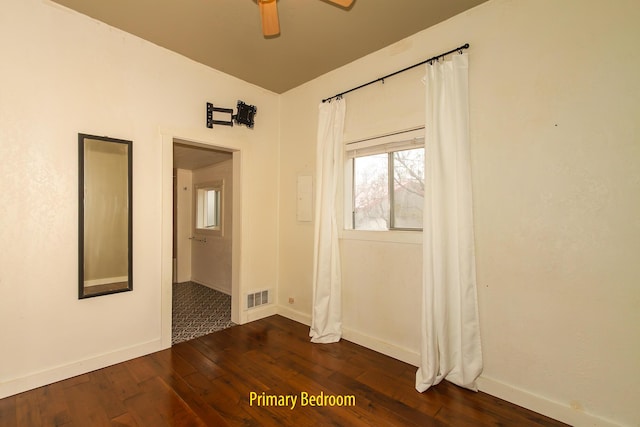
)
(203, 239)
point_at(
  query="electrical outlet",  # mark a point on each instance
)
(291, 300)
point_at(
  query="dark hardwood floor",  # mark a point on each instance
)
(210, 381)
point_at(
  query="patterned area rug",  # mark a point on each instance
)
(198, 310)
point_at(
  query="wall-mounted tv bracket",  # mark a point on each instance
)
(244, 116)
(211, 121)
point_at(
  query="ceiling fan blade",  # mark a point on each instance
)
(343, 3)
(269, 15)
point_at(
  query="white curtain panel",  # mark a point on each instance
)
(326, 316)
(450, 335)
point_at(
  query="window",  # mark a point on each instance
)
(387, 184)
(208, 207)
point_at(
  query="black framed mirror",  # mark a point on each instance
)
(104, 216)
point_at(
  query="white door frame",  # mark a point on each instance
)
(167, 229)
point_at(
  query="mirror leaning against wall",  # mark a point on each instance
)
(105, 231)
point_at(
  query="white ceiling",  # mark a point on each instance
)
(316, 36)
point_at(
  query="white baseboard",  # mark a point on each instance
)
(388, 349)
(495, 388)
(541, 405)
(213, 286)
(292, 314)
(63, 372)
(260, 312)
(487, 385)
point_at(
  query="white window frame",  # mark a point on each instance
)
(198, 208)
(397, 141)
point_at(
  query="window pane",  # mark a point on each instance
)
(208, 208)
(212, 208)
(408, 188)
(371, 192)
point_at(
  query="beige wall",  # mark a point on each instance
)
(62, 74)
(556, 177)
(555, 151)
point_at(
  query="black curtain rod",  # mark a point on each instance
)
(381, 79)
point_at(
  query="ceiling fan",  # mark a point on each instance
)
(269, 15)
